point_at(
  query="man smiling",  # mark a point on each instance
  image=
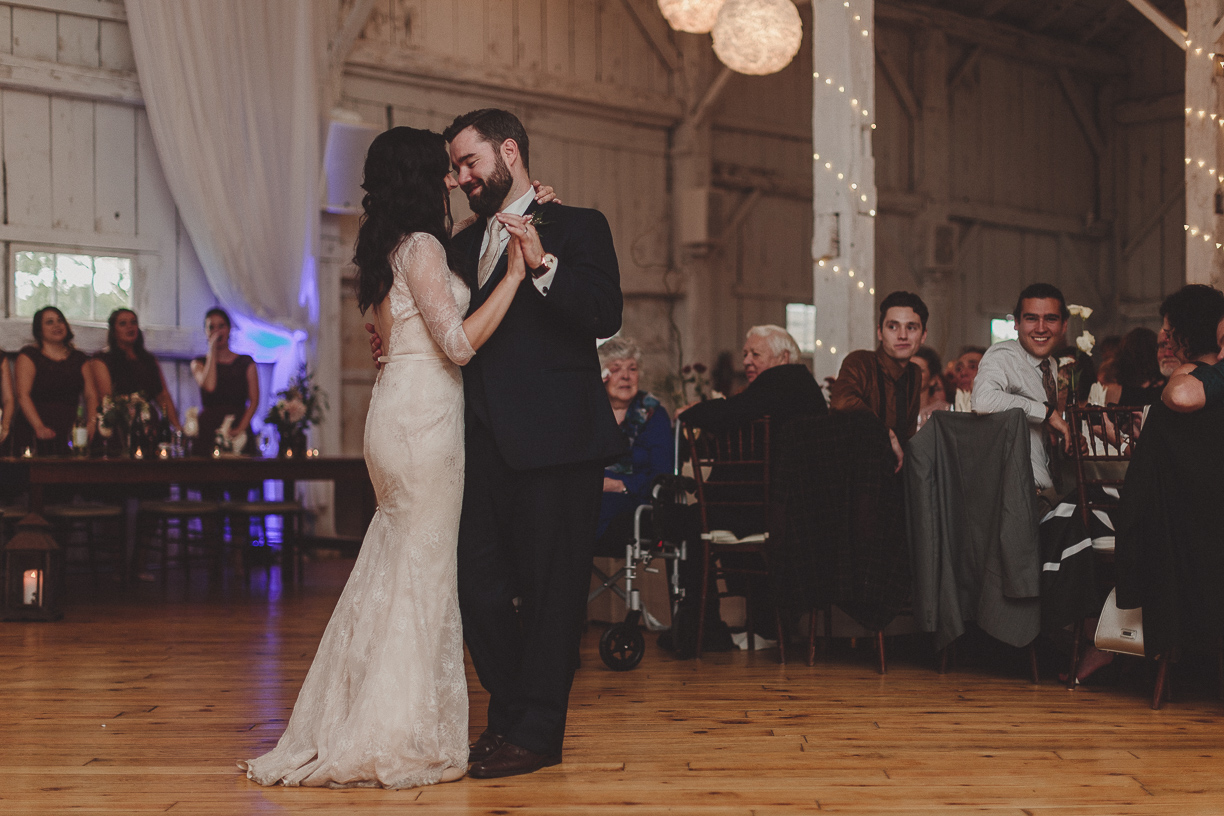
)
(1021, 374)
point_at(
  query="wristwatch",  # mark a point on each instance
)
(549, 264)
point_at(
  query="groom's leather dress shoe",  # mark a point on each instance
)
(486, 745)
(511, 760)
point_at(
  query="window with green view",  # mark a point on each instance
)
(84, 287)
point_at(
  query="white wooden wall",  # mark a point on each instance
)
(81, 173)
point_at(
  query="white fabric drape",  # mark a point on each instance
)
(231, 88)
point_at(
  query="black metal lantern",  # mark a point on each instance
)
(33, 567)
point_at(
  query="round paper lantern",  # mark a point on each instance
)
(757, 36)
(693, 16)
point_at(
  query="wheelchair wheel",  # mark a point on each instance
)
(621, 647)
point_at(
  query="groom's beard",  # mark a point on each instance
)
(490, 193)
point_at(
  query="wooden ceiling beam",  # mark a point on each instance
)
(992, 7)
(1050, 16)
(1159, 19)
(1003, 39)
(1103, 21)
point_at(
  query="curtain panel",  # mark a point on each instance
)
(232, 92)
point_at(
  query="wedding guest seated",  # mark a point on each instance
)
(964, 371)
(7, 405)
(779, 386)
(1168, 554)
(1136, 370)
(782, 388)
(51, 388)
(646, 426)
(126, 367)
(1020, 374)
(1106, 354)
(229, 385)
(884, 382)
(934, 396)
(1198, 384)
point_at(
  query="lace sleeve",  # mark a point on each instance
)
(422, 261)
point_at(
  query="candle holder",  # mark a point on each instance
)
(33, 570)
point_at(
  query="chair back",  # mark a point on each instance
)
(731, 470)
(1099, 435)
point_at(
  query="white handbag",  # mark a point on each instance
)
(1119, 630)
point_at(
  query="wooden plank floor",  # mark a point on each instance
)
(142, 702)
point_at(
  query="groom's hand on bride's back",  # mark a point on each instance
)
(376, 349)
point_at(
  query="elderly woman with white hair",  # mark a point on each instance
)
(646, 427)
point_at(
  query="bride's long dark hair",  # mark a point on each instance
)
(404, 180)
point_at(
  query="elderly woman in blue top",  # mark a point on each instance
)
(646, 426)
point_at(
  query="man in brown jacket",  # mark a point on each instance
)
(885, 382)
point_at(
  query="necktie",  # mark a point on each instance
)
(492, 252)
(1047, 382)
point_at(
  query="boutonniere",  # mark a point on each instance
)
(537, 219)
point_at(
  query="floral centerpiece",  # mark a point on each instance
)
(1084, 345)
(295, 409)
(124, 417)
(225, 442)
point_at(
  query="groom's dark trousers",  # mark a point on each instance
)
(539, 431)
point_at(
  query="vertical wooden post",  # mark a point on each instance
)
(932, 178)
(690, 163)
(1202, 144)
(843, 235)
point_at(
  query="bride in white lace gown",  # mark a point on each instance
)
(385, 702)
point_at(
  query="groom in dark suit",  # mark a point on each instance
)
(539, 430)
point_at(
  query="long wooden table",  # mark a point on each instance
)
(355, 501)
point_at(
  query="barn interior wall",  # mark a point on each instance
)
(1030, 195)
(82, 175)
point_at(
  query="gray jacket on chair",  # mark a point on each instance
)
(972, 517)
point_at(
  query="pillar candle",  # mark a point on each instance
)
(31, 587)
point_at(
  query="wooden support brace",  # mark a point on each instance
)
(993, 7)
(702, 108)
(965, 66)
(1067, 249)
(354, 22)
(1159, 19)
(1102, 22)
(896, 78)
(1050, 16)
(1175, 197)
(742, 211)
(647, 20)
(1082, 111)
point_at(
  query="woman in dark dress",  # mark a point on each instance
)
(126, 367)
(1137, 370)
(51, 383)
(229, 384)
(8, 406)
